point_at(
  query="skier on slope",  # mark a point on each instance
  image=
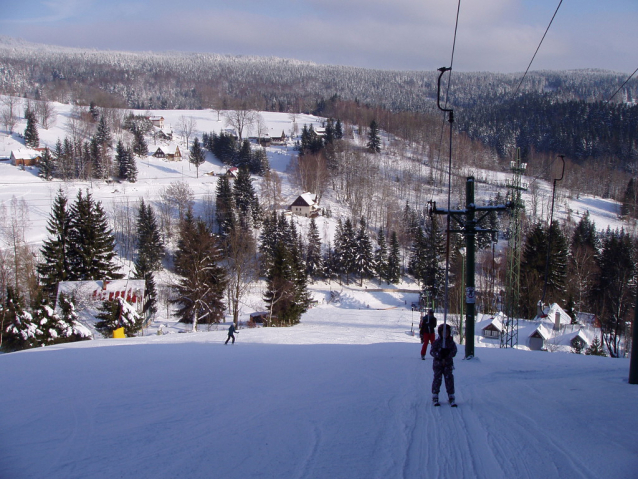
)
(443, 351)
(231, 333)
(427, 329)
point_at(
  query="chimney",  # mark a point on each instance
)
(104, 284)
(557, 321)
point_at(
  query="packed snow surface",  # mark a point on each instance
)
(344, 394)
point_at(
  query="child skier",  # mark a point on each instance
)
(443, 351)
(426, 330)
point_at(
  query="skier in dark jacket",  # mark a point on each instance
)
(443, 351)
(426, 330)
(231, 333)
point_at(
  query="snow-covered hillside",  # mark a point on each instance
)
(342, 395)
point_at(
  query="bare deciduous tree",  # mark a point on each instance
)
(186, 126)
(9, 113)
(46, 113)
(242, 268)
(271, 190)
(240, 120)
(176, 197)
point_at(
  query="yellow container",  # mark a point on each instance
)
(118, 333)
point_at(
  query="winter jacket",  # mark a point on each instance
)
(443, 357)
(231, 330)
(428, 325)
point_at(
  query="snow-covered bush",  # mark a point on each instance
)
(116, 314)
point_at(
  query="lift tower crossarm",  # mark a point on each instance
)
(466, 218)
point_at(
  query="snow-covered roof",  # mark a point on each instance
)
(542, 331)
(25, 154)
(170, 149)
(305, 199)
(496, 323)
(549, 314)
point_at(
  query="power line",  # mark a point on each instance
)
(621, 86)
(538, 48)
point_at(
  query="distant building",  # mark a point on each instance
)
(494, 329)
(157, 121)
(25, 156)
(305, 205)
(170, 152)
(278, 139)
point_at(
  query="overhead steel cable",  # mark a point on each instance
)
(621, 86)
(538, 48)
(449, 194)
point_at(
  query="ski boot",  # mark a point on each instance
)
(435, 400)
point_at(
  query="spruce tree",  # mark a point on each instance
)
(338, 130)
(345, 248)
(374, 141)
(381, 256)
(20, 330)
(46, 165)
(131, 170)
(92, 245)
(314, 260)
(150, 252)
(121, 160)
(140, 146)
(364, 261)
(225, 207)
(394, 260)
(56, 264)
(150, 247)
(197, 154)
(117, 313)
(432, 251)
(244, 156)
(286, 296)
(31, 137)
(613, 293)
(246, 199)
(200, 289)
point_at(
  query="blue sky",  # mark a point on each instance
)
(493, 35)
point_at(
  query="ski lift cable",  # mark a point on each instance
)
(447, 92)
(450, 111)
(537, 48)
(621, 86)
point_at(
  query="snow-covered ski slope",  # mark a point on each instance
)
(342, 395)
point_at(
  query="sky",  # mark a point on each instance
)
(493, 35)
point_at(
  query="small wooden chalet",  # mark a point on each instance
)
(170, 152)
(493, 330)
(305, 205)
(25, 157)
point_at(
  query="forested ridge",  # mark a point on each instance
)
(553, 111)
